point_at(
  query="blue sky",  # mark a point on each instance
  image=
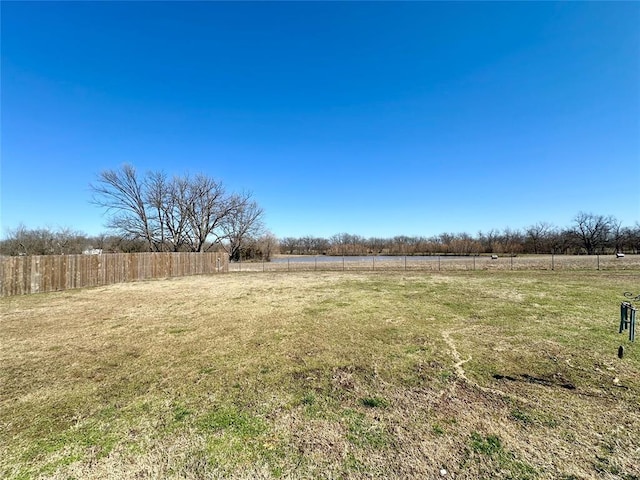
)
(377, 119)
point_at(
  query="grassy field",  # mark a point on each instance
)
(510, 375)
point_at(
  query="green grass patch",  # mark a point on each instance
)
(374, 402)
(229, 419)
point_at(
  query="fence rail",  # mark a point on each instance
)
(47, 273)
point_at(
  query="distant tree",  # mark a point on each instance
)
(446, 240)
(267, 246)
(617, 235)
(537, 237)
(341, 244)
(632, 238)
(592, 231)
(376, 245)
(307, 244)
(288, 245)
(464, 244)
(509, 241)
(488, 241)
(243, 222)
(43, 241)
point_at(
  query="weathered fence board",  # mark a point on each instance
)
(47, 273)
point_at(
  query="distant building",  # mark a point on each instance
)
(92, 251)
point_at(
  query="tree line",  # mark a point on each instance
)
(155, 213)
(588, 234)
(66, 241)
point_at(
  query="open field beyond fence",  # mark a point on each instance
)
(323, 375)
(436, 263)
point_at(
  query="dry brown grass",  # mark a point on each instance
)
(322, 375)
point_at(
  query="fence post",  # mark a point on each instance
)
(598, 260)
(438, 262)
(552, 262)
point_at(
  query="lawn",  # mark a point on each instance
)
(510, 375)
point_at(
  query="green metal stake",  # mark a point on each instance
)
(628, 320)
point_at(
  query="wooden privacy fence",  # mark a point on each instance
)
(47, 273)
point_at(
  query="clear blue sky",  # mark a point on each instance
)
(377, 119)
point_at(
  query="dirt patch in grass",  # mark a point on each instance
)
(323, 375)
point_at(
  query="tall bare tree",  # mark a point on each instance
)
(122, 194)
(244, 222)
(592, 231)
(184, 213)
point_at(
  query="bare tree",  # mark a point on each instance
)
(167, 198)
(267, 246)
(192, 213)
(592, 231)
(632, 238)
(243, 222)
(206, 205)
(617, 234)
(537, 235)
(122, 194)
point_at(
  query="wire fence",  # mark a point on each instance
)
(46, 273)
(440, 263)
